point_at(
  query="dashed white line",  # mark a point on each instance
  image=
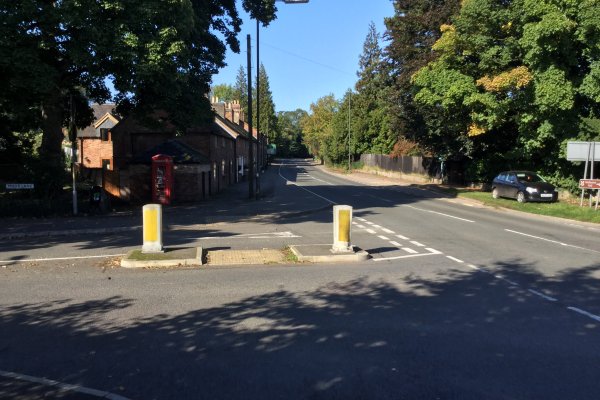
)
(417, 244)
(361, 219)
(370, 223)
(401, 257)
(455, 259)
(383, 237)
(386, 230)
(371, 231)
(376, 226)
(551, 241)
(360, 226)
(587, 314)
(409, 250)
(395, 243)
(542, 295)
(402, 237)
(475, 267)
(439, 213)
(433, 251)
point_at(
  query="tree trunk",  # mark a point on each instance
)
(51, 154)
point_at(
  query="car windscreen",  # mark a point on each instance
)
(529, 177)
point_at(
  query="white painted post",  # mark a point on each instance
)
(152, 229)
(342, 228)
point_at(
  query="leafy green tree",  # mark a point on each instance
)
(289, 141)
(341, 142)
(223, 92)
(411, 32)
(317, 126)
(158, 55)
(514, 80)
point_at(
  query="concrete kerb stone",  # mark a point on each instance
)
(322, 253)
(127, 262)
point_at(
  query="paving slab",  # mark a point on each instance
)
(243, 257)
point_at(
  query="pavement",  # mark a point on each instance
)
(230, 205)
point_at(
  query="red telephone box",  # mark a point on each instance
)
(162, 178)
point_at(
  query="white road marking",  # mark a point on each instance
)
(383, 237)
(455, 259)
(371, 231)
(417, 244)
(407, 256)
(380, 198)
(58, 258)
(266, 235)
(376, 226)
(409, 250)
(439, 213)
(475, 267)
(386, 230)
(360, 226)
(587, 314)
(370, 223)
(354, 223)
(433, 251)
(62, 386)
(303, 188)
(551, 241)
(402, 237)
(361, 219)
(395, 243)
(542, 295)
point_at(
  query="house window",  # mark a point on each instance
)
(104, 134)
(106, 164)
(222, 167)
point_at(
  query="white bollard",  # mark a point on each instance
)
(342, 224)
(152, 229)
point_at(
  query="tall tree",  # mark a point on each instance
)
(371, 104)
(411, 32)
(289, 141)
(268, 120)
(241, 89)
(158, 54)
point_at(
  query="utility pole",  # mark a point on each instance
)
(258, 146)
(251, 138)
(349, 130)
(73, 137)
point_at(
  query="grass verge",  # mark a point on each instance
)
(169, 254)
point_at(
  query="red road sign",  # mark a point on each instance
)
(589, 183)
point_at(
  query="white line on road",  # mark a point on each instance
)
(409, 250)
(438, 213)
(380, 198)
(395, 243)
(417, 244)
(266, 235)
(383, 237)
(303, 188)
(370, 223)
(58, 258)
(550, 240)
(371, 231)
(361, 219)
(433, 251)
(475, 267)
(402, 237)
(376, 226)
(587, 314)
(455, 259)
(360, 226)
(407, 256)
(386, 230)
(542, 295)
(63, 386)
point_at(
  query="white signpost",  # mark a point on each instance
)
(588, 152)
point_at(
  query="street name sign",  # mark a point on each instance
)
(19, 186)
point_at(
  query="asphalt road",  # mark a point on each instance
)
(458, 302)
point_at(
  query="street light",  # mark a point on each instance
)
(260, 154)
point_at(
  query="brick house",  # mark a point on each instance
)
(94, 143)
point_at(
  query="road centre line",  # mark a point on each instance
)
(407, 256)
(383, 237)
(583, 312)
(455, 259)
(550, 240)
(62, 386)
(439, 213)
(542, 295)
(380, 198)
(303, 188)
(24, 260)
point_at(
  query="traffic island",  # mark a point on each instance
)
(171, 257)
(323, 253)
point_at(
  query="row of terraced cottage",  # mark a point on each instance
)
(116, 153)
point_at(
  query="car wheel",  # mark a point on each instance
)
(521, 197)
(495, 193)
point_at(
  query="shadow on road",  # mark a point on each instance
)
(461, 336)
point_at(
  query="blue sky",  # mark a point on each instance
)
(310, 50)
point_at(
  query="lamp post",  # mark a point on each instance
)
(260, 155)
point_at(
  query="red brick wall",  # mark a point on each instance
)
(94, 151)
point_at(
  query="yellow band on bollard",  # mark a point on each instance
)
(344, 226)
(150, 225)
